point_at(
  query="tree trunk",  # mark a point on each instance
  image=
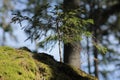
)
(95, 62)
(95, 52)
(71, 50)
(88, 52)
(95, 29)
(72, 54)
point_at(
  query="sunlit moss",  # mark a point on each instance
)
(18, 64)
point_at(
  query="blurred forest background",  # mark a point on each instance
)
(106, 30)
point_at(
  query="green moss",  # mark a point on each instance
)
(18, 64)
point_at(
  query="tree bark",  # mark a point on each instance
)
(72, 54)
(71, 50)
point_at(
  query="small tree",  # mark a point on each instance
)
(54, 25)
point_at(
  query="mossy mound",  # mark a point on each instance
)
(17, 64)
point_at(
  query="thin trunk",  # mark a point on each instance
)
(89, 67)
(59, 41)
(60, 53)
(95, 52)
(95, 62)
(94, 29)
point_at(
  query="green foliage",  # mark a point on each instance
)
(100, 48)
(55, 25)
(73, 27)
